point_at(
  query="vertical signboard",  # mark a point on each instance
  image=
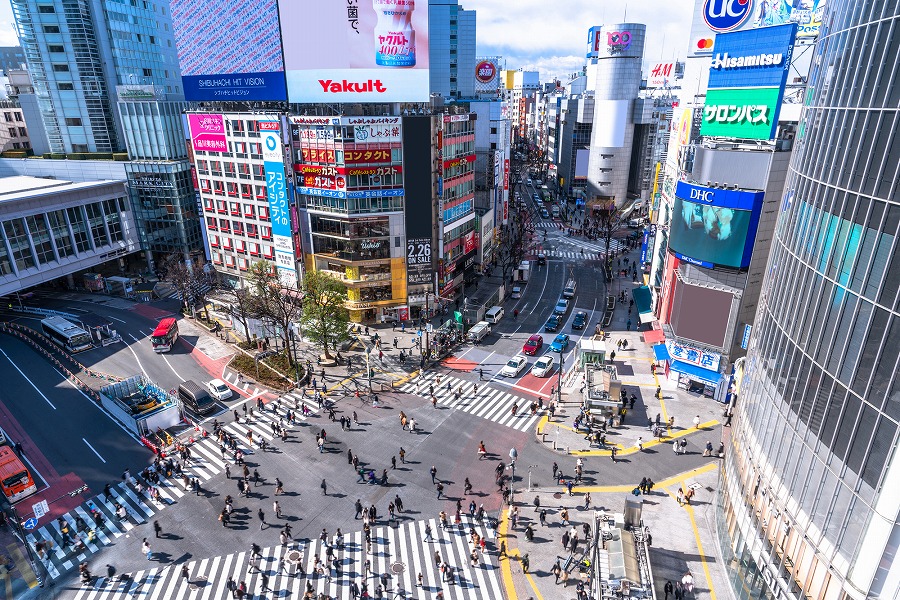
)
(487, 76)
(418, 202)
(279, 210)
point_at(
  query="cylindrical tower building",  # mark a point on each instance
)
(811, 487)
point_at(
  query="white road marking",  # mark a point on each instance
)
(94, 450)
(28, 380)
(135, 353)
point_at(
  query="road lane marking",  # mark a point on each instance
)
(94, 450)
(173, 368)
(28, 380)
(116, 319)
(135, 354)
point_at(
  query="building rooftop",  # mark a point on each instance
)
(22, 186)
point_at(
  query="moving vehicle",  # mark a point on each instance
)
(66, 334)
(514, 366)
(15, 480)
(555, 212)
(560, 343)
(635, 223)
(545, 214)
(543, 366)
(528, 181)
(164, 335)
(219, 390)
(580, 320)
(479, 330)
(516, 292)
(552, 323)
(541, 258)
(538, 182)
(494, 315)
(195, 397)
(534, 343)
(569, 290)
(562, 307)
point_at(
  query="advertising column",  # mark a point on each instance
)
(279, 211)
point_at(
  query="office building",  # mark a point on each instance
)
(12, 58)
(809, 502)
(519, 89)
(20, 91)
(451, 49)
(13, 131)
(78, 53)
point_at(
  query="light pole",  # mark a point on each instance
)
(562, 357)
(369, 368)
(513, 454)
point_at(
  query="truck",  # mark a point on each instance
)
(478, 331)
(523, 271)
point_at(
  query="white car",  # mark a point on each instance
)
(516, 293)
(514, 366)
(543, 366)
(219, 390)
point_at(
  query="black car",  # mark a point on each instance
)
(552, 323)
(579, 321)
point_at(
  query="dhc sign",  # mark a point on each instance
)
(725, 15)
(736, 199)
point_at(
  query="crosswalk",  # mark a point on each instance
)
(578, 255)
(207, 461)
(549, 224)
(489, 403)
(399, 551)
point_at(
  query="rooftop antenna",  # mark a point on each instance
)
(625, 16)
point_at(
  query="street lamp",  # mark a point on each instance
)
(369, 368)
(512, 482)
(293, 351)
(562, 358)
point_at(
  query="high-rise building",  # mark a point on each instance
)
(451, 49)
(78, 52)
(12, 58)
(810, 496)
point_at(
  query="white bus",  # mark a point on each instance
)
(66, 334)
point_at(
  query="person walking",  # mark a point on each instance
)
(145, 548)
(157, 528)
(402, 455)
(277, 509)
(185, 574)
(697, 422)
(433, 472)
(324, 486)
(262, 518)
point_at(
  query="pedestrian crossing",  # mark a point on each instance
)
(401, 552)
(490, 403)
(549, 224)
(578, 255)
(207, 459)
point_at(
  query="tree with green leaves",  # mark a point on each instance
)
(325, 317)
(276, 303)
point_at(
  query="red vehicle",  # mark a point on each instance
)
(534, 343)
(15, 480)
(164, 335)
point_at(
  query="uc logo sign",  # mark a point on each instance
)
(725, 15)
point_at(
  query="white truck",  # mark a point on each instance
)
(478, 331)
(523, 272)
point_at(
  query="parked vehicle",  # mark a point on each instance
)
(514, 366)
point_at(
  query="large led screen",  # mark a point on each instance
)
(714, 227)
(229, 50)
(353, 51)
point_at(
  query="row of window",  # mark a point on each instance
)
(250, 211)
(239, 228)
(230, 261)
(12, 116)
(40, 239)
(233, 189)
(241, 246)
(21, 131)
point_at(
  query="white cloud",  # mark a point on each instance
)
(537, 32)
(8, 36)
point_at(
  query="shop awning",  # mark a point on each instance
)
(642, 300)
(647, 317)
(661, 352)
(696, 373)
(654, 336)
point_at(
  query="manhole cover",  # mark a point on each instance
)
(397, 568)
(557, 495)
(293, 556)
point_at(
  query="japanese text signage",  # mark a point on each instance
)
(367, 156)
(368, 133)
(747, 113)
(693, 355)
(207, 132)
(279, 209)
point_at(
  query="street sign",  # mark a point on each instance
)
(419, 333)
(40, 509)
(30, 523)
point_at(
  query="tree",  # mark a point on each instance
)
(191, 281)
(511, 249)
(244, 305)
(608, 221)
(276, 303)
(325, 316)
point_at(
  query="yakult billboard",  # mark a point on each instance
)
(355, 51)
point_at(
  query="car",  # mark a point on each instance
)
(562, 307)
(516, 292)
(536, 197)
(219, 390)
(514, 366)
(538, 182)
(545, 214)
(534, 343)
(579, 321)
(635, 223)
(543, 366)
(552, 323)
(528, 181)
(541, 258)
(560, 343)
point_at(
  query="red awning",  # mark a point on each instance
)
(654, 336)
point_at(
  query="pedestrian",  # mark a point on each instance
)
(262, 518)
(697, 422)
(587, 501)
(279, 487)
(185, 574)
(402, 455)
(440, 490)
(675, 445)
(145, 548)
(555, 470)
(324, 486)
(433, 472)
(157, 528)
(668, 589)
(277, 509)
(612, 453)
(393, 462)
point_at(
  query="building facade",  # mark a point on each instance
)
(459, 237)
(451, 48)
(13, 130)
(809, 502)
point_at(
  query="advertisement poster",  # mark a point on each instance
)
(279, 211)
(356, 51)
(229, 49)
(487, 76)
(661, 75)
(418, 261)
(207, 132)
(748, 113)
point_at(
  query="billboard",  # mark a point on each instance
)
(279, 211)
(752, 58)
(749, 113)
(356, 52)
(418, 205)
(712, 17)
(661, 75)
(713, 226)
(229, 49)
(487, 75)
(207, 132)
(606, 41)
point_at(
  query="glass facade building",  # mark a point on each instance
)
(451, 49)
(809, 494)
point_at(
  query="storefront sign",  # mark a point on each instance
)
(455, 162)
(320, 155)
(367, 156)
(370, 245)
(367, 133)
(693, 355)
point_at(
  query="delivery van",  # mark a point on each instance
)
(494, 315)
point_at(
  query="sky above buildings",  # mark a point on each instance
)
(550, 37)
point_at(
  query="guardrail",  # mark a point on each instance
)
(42, 311)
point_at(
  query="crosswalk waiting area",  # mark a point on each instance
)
(128, 504)
(451, 561)
(486, 402)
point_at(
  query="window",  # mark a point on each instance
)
(79, 228)
(7, 116)
(59, 68)
(17, 236)
(73, 121)
(148, 72)
(113, 221)
(60, 231)
(56, 48)
(40, 237)
(17, 145)
(51, 28)
(18, 116)
(67, 87)
(96, 221)
(211, 223)
(23, 132)
(46, 9)
(12, 132)
(153, 41)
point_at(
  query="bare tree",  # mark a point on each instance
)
(511, 249)
(244, 305)
(608, 219)
(192, 281)
(278, 304)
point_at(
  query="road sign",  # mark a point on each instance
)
(40, 509)
(30, 523)
(419, 333)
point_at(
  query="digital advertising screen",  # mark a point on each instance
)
(355, 51)
(748, 113)
(752, 58)
(714, 227)
(229, 50)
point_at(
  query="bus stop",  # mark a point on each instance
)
(100, 329)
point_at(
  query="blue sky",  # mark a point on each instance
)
(544, 35)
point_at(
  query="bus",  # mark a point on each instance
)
(164, 335)
(68, 335)
(15, 480)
